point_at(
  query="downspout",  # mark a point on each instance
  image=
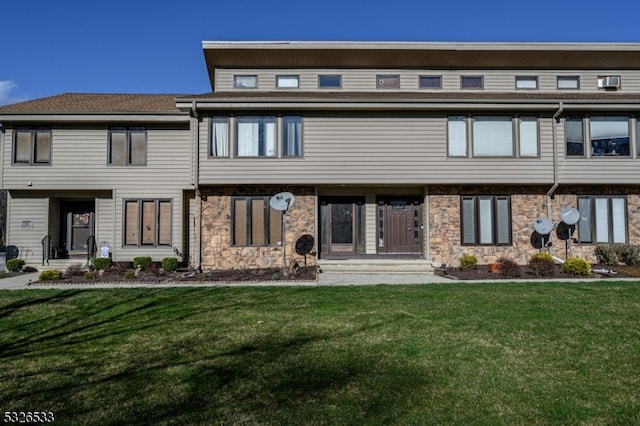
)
(554, 124)
(195, 164)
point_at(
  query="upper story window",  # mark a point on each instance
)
(32, 145)
(387, 81)
(430, 82)
(245, 81)
(486, 220)
(471, 82)
(493, 136)
(526, 82)
(256, 136)
(219, 131)
(287, 81)
(127, 146)
(606, 135)
(329, 81)
(568, 82)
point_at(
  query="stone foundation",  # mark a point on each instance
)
(527, 204)
(217, 249)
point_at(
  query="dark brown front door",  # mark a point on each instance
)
(77, 225)
(399, 225)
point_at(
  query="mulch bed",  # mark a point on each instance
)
(186, 277)
(481, 272)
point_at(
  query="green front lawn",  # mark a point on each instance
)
(552, 353)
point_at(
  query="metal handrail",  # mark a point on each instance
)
(46, 247)
(91, 247)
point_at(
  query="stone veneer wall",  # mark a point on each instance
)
(217, 251)
(527, 204)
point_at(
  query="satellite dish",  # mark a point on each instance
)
(282, 201)
(564, 231)
(570, 216)
(543, 225)
(304, 245)
(538, 240)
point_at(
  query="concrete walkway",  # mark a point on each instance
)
(21, 282)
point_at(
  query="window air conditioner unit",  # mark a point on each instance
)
(611, 82)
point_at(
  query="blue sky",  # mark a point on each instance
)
(153, 46)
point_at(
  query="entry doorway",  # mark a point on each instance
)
(77, 225)
(342, 226)
(399, 225)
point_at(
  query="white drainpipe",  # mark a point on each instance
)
(197, 232)
(550, 192)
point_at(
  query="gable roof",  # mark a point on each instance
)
(96, 103)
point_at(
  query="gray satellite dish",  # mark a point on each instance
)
(543, 225)
(282, 201)
(570, 216)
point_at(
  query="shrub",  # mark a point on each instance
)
(14, 265)
(170, 264)
(89, 276)
(129, 275)
(50, 275)
(542, 265)
(75, 271)
(468, 261)
(607, 255)
(509, 267)
(142, 262)
(628, 254)
(101, 263)
(576, 266)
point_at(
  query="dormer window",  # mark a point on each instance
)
(287, 81)
(245, 81)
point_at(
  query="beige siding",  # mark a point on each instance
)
(104, 218)
(365, 79)
(377, 150)
(23, 210)
(79, 161)
(596, 170)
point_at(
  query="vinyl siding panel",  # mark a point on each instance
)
(105, 223)
(377, 150)
(33, 209)
(595, 170)
(79, 161)
(365, 79)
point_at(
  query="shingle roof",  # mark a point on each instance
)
(96, 103)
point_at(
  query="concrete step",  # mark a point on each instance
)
(387, 266)
(60, 264)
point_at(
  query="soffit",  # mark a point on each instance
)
(420, 55)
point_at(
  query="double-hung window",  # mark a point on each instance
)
(603, 219)
(255, 223)
(486, 220)
(32, 145)
(127, 146)
(256, 137)
(147, 222)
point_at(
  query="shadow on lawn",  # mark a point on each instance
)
(267, 377)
